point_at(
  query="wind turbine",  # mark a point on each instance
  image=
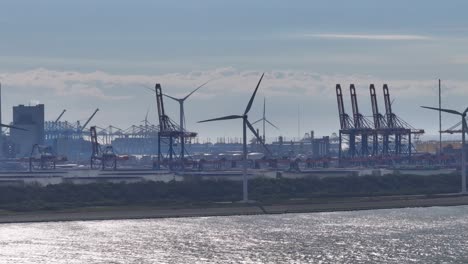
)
(245, 124)
(182, 115)
(464, 130)
(145, 121)
(181, 104)
(182, 118)
(265, 120)
(1, 124)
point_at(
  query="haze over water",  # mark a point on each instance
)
(419, 235)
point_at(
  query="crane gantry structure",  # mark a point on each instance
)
(169, 132)
(391, 136)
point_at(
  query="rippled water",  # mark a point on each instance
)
(421, 235)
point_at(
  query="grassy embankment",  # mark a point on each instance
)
(211, 194)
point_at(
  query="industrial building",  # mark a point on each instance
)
(310, 146)
(31, 119)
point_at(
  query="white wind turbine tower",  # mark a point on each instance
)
(245, 124)
(265, 120)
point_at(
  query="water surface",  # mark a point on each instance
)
(419, 235)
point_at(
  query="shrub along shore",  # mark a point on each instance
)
(197, 193)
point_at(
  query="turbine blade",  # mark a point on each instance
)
(466, 110)
(443, 110)
(253, 96)
(257, 136)
(173, 98)
(13, 127)
(148, 88)
(147, 112)
(222, 118)
(257, 121)
(271, 124)
(183, 99)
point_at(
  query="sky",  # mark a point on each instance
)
(83, 55)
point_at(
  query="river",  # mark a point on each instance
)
(413, 235)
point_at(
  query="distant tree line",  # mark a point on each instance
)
(35, 197)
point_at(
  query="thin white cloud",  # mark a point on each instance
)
(368, 36)
(124, 101)
(462, 59)
(107, 86)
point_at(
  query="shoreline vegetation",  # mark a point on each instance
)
(106, 201)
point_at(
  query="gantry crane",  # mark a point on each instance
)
(169, 130)
(101, 158)
(395, 134)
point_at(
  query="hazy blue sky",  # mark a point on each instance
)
(81, 55)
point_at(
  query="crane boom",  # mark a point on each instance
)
(375, 108)
(89, 119)
(388, 107)
(60, 116)
(160, 105)
(354, 104)
(344, 118)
